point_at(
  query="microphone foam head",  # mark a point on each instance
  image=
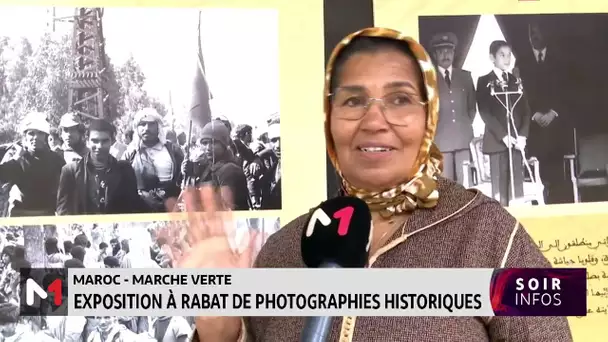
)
(338, 232)
(516, 72)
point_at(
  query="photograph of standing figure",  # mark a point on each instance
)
(457, 108)
(507, 122)
(559, 131)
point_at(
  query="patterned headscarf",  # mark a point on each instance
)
(420, 191)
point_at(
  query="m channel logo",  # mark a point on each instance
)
(43, 291)
(33, 289)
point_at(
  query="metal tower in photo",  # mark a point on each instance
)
(88, 94)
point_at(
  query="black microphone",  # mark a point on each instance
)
(337, 236)
(516, 72)
(517, 79)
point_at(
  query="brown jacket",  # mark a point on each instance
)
(465, 230)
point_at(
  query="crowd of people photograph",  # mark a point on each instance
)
(75, 169)
(152, 131)
(124, 245)
(547, 147)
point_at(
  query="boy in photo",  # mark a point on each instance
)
(496, 140)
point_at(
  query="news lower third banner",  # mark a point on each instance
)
(304, 292)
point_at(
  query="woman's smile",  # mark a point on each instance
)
(375, 153)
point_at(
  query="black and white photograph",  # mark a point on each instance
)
(522, 104)
(117, 110)
(103, 245)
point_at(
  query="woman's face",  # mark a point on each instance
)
(372, 153)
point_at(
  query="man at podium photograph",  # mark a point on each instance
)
(457, 108)
(504, 139)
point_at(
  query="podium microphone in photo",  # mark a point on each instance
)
(520, 90)
(517, 78)
(337, 236)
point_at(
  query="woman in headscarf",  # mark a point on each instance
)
(381, 110)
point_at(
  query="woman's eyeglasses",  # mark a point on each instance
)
(397, 107)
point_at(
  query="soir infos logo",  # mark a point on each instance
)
(43, 292)
(539, 292)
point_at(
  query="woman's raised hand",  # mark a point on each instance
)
(206, 243)
(204, 240)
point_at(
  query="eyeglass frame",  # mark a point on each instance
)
(371, 100)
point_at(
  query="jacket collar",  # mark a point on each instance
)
(454, 200)
(87, 163)
(111, 180)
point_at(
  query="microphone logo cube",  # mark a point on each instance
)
(318, 215)
(337, 233)
(43, 292)
(344, 216)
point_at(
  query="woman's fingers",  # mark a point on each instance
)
(227, 228)
(247, 248)
(209, 202)
(212, 217)
(171, 231)
(180, 239)
(171, 205)
(206, 238)
(195, 226)
(226, 197)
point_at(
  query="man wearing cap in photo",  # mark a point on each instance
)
(156, 161)
(35, 172)
(228, 125)
(73, 136)
(217, 165)
(98, 183)
(457, 108)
